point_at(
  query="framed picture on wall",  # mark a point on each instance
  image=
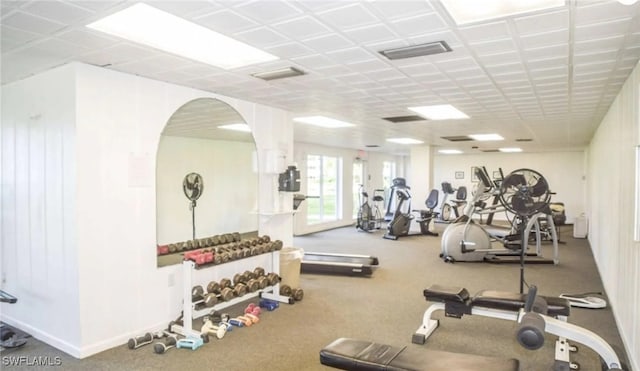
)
(459, 174)
(474, 178)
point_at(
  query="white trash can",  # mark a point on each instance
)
(290, 262)
(580, 227)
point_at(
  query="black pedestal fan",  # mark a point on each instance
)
(193, 185)
(524, 192)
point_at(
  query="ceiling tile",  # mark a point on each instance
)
(226, 22)
(352, 15)
(548, 21)
(30, 23)
(485, 32)
(301, 28)
(289, 50)
(57, 11)
(588, 12)
(268, 11)
(372, 33)
(545, 39)
(418, 25)
(87, 38)
(350, 55)
(183, 9)
(493, 47)
(327, 43)
(599, 45)
(314, 61)
(260, 37)
(500, 59)
(602, 30)
(399, 8)
(15, 36)
(547, 52)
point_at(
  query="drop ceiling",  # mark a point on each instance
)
(549, 76)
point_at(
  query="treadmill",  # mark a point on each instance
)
(333, 263)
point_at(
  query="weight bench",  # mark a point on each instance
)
(351, 354)
(456, 302)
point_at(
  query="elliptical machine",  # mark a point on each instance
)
(466, 240)
(401, 222)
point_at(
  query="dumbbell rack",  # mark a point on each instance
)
(189, 310)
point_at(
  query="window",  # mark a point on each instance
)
(388, 173)
(323, 177)
(358, 179)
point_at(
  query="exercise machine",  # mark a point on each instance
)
(452, 205)
(9, 336)
(396, 184)
(342, 264)
(525, 193)
(400, 225)
(369, 218)
(456, 302)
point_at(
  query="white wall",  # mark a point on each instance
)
(611, 192)
(119, 292)
(39, 251)
(564, 171)
(230, 198)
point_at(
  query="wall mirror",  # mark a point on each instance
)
(194, 142)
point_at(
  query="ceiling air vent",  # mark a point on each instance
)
(279, 74)
(458, 138)
(417, 50)
(372, 145)
(489, 150)
(409, 118)
(524, 140)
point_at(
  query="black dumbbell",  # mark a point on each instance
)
(223, 294)
(258, 272)
(169, 342)
(240, 289)
(273, 278)
(297, 294)
(198, 296)
(137, 342)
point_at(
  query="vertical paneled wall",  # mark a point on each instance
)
(38, 234)
(611, 192)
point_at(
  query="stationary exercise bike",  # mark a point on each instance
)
(369, 218)
(454, 205)
(401, 223)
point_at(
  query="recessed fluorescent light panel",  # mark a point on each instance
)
(149, 26)
(404, 141)
(279, 74)
(486, 137)
(510, 149)
(450, 151)
(237, 127)
(439, 112)
(469, 11)
(322, 121)
(417, 50)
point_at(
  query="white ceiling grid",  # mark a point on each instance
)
(548, 75)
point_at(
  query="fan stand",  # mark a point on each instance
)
(192, 206)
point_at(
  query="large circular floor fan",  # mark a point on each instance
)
(192, 186)
(524, 192)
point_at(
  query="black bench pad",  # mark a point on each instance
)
(514, 301)
(446, 293)
(352, 354)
